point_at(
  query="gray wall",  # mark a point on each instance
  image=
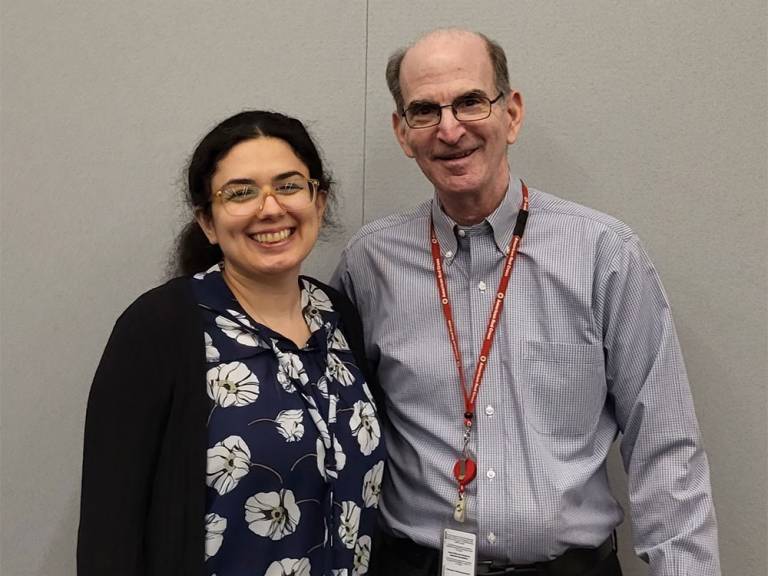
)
(652, 111)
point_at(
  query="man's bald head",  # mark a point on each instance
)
(496, 55)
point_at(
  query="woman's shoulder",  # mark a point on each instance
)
(163, 305)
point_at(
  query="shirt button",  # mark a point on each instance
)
(481, 286)
(489, 410)
(491, 473)
(449, 254)
(461, 233)
(491, 537)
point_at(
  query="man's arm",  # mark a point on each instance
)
(341, 279)
(672, 512)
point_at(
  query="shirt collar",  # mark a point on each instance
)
(214, 294)
(501, 221)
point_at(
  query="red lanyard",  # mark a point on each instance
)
(465, 468)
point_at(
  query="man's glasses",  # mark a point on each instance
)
(467, 108)
(292, 193)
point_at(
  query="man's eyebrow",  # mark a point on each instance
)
(422, 103)
(473, 92)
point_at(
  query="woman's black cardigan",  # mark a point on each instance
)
(143, 488)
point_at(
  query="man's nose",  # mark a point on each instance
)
(449, 130)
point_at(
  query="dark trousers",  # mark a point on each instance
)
(400, 557)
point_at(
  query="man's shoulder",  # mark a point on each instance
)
(578, 215)
(393, 225)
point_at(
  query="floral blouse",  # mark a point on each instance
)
(295, 456)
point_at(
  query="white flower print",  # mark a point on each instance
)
(201, 275)
(228, 461)
(320, 424)
(339, 572)
(322, 386)
(237, 332)
(289, 567)
(372, 485)
(232, 384)
(367, 392)
(272, 515)
(349, 523)
(333, 402)
(338, 341)
(362, 556)
(289, 366)
(214, 534)
(338, 371)
(339, 457)
(282, 378)
(290, 424)
(365, 426)
(211, 354)
(316, 297)
(313, 300)
(313, 318)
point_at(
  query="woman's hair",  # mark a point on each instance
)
(193, 252)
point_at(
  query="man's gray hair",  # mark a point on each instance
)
(495, 53)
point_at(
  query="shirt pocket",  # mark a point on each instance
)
(563, 386)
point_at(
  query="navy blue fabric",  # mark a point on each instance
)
(285, 495)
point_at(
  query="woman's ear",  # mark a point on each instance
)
(205, 221)
(320, 202)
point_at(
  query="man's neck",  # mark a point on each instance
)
(468, 209)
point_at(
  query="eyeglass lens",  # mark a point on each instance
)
(291, 193)
(467, 108)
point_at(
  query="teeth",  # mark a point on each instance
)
(456, 156)
(271, 237)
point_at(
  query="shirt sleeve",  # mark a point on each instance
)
(341, 279)
(125, 419)
(673, 516)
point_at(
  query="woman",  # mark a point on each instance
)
(230, 430)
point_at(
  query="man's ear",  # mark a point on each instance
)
(399, 127)
(515, 111)
(205, 221)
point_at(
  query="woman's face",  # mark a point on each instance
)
(270, 241)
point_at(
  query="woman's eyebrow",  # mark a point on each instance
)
(281, 176)
(288, 174)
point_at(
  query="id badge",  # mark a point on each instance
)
(459, 553)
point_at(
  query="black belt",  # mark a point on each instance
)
(574, 562)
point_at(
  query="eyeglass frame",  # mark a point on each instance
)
(314, 189)
(452, 106)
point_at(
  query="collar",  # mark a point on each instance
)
(214, 294)
(501, 222)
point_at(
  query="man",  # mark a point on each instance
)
(578, 347)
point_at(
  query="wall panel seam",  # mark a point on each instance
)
(365, 114)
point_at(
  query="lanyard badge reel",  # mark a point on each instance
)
(460, 546)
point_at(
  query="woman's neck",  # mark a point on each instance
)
(273, 301)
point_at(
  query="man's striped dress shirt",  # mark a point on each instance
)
(586, 349)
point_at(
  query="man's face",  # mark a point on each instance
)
(457, 157)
